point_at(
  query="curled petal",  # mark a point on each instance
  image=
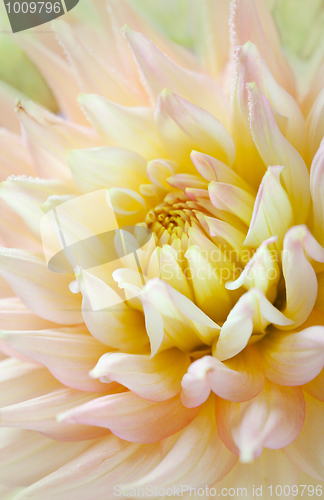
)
(184, 127)
(293, 358)
(273, 419)
(209, 459)
(45, 293)
(129, 127)
(154, 379)
(252, 313)
(272, 212)
(261, 271)
(300, 277)
(68, 353)
(238, 380)
(306, 451)
(131, 418)
(274, 149)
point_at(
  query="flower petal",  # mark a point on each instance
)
(27, 457)
(14, 156)
(197, 457)
(25, 195)
(293, 358)
(272, 466)
(106, 167)
(317, 193)
(48, 136)
(274, 149)
(315, 125)
(134, 419)
(183, 127)
(300, 277)
(272, 212)
(39, 414)
(239, 379)
(252, 313)
(251, 20)
(232, 199)
(273, 419)
(132, 128)
(154, 379)
(159, 72)
(306, 451)
(96, 472)
(58, 75)
(15, 316)
(68, 353)
(94, 75)
(212, 169)
(21, 380)
(45, 293)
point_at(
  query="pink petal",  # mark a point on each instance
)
(293, 358)
(306, 452)
(39, 414)
(68, 353)
(159, 72)
(316, 386)
(15, 316)
(132, 418)
(197, 457)
(213, 169)
(45, 293)
(273, 420)
(154, 379)
(240, 379)
(251, 21)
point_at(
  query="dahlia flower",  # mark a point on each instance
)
(195, 358)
